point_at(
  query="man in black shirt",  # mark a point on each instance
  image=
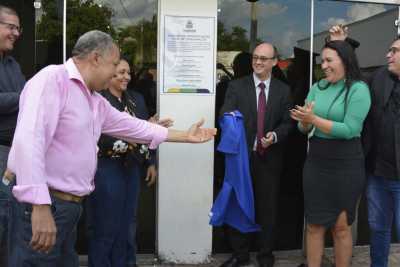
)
(11, 84)
(382, 143)
(382, 151)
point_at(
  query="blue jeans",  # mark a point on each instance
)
(66, 216)
(383, 198)
(132, 248)
(112, 207)
(6, 204)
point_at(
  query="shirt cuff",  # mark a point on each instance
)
(160, 135)
(275, 138)
(305, 130)
(33, 194)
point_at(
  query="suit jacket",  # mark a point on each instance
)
(381, 85)
(241, 96)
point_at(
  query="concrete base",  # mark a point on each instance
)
(289, 258)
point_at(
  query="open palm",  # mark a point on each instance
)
(196, 134)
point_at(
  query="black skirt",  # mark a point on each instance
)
(333, 180)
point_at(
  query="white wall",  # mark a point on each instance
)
(185, 171)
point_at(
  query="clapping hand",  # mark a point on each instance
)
(304, 114)
(166, 122)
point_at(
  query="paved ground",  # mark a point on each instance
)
(290, 258)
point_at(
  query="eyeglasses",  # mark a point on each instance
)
(12, 27)
(261, 58)
(393, 50)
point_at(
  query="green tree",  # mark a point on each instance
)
(138, 42)
(82, 16)
(234, 40)
(49, 27)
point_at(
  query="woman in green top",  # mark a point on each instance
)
(333, 175)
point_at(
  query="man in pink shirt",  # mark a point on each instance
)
(54, 149)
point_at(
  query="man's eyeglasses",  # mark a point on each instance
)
(261, 58)
(393, 50)
(12, 27)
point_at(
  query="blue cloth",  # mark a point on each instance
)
(383, 200)
(234, 204)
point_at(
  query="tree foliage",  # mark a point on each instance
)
(138, 41)
(233, 40)
(82, 16)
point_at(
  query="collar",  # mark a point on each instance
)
(339, 83)
(257, 81)
(393, 76)
(107, 93)
(74, 74)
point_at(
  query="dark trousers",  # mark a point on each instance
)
(66, 216)
(132, 248)
(383, 199)
(6, 204)
(111, 208)
(266, 189)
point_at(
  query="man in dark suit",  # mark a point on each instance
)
(264, 102)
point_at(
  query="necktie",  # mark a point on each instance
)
(260, 117)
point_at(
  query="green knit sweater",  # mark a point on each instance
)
(345, 125)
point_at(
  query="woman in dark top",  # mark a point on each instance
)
(333, 175)
(112, 206)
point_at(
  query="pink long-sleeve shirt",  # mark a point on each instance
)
(59, 123)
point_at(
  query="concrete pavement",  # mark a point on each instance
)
(289, 258)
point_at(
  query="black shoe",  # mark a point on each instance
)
(266, 261)
(234, 262)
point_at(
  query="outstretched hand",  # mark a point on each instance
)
(196, 134)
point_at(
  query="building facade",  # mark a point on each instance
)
(296, 27)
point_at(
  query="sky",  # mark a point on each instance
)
(281, 22)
